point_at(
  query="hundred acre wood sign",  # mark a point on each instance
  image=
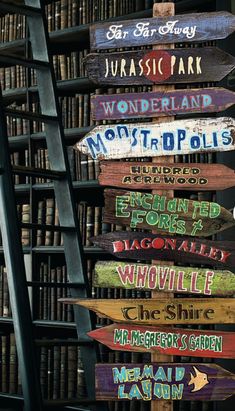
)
(180, 176)
(160, 103)
(147, 246)
(187, 280)
(174, 216)
(164, 311)
(174, 29)
(144, 67)
(189, 136)
(178, 381)
(166, 340)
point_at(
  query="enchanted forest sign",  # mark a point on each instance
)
(167, 176)
(167, 340)
(186, 280)
(174, 29)
(174, 216)
(147, 139)
(178, 381)
(144, 67)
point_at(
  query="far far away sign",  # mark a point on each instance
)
(160, 103)
(170, 138)
(133, 245)
(144, 67)
(177, 279)
(177, 29)
(189, 382)
(164, 311)
(180, 176)
(166, 340)
(175, 216)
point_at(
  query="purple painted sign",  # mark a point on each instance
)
(178, 381)
(160, 103)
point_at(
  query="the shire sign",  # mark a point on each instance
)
(190, 382)
(170, 138)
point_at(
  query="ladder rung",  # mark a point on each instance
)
(13, 61)
(30, 116)
(19, 9)
(78, 341)
(56, 285)
(45, 227)
(38, 172)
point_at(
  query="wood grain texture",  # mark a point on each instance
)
(149, 246)
(158, 176)
(164, 311)
(182, 65)
(181, 28)
(167, 340)
(159, 277)
(160, 103)
(189, 136)
(157, 212)
(154, 381)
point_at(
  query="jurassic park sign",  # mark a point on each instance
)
(114, 141)
(154, 277)
(176, 29)
(166, 340)
(148, 246)
(156, 212)
(160, 103)
(164, 311)
(168, 66)
(167, 176)
(163, 381)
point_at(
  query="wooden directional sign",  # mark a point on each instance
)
(145, 67)
(147, 246)
(169, 138)
(160, 103)
(167, 340)
(175, 216)
(177, 29)
(166, 311)
(187, 280)
(163, 381)
(180, 176)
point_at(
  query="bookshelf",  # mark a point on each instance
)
(47, 260)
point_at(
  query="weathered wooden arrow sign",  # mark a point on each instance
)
(160, 103)
(166, 311)
(177, 29)
(180, 176)
(147, 246)
(163, 381)
(187, 280)
(175, 216)
(169, 138)
(167, 340)
(144, 67)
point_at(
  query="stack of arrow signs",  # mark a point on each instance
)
(140, 324)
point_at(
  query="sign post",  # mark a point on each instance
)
(162, 10)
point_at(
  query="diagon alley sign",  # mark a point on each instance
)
(162, 30)
(148, 246)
